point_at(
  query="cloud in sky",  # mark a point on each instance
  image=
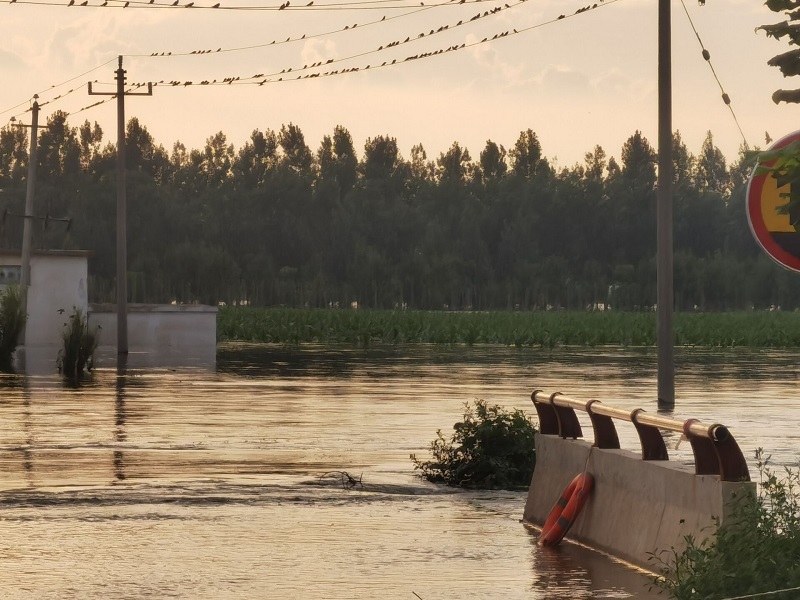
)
(11, 62)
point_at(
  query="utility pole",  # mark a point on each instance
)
(664, 260)
(27, 222)
(122, 207)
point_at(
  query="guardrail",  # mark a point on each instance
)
(715, 450)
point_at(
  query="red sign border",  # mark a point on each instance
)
(755, 189)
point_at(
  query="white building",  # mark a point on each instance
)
(158, 335)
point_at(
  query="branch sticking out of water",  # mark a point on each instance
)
(347, 480)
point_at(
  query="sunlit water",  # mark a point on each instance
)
(226, 480)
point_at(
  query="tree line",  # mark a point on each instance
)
(277, 223)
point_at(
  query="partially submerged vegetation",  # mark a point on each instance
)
(758, 554)
(79, 345)
(547, 329)
(490, 449)
(12, 322)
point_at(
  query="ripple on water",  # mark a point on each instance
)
(225, 482)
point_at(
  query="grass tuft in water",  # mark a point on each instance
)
(79, 346)
(490, 449)
(757, 555)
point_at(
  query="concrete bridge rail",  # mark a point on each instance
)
(641, 502)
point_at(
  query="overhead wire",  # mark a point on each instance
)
(53, 87)
(707, 56)
(222, 50)
(289, 40)
(309, 6)
(262, 79)
(285, 74)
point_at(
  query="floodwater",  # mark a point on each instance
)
(285, 473)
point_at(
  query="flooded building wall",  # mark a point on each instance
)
(58, 285)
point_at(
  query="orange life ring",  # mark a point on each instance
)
(567, 509)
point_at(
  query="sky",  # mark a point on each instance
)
(584, 80)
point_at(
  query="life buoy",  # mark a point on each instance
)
(566, 509)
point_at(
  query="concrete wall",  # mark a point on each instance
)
(637, 507)
(58, 282)
(164, 326)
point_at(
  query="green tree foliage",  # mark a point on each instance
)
(13, 154)
(296, 154)
(12, 322)
(490, 449)
(526, 155)
(784, 163)
(787, 62)
(273, 223)
(493, 161)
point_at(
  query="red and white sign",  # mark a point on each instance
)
(772, 229)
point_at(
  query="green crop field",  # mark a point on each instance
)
(547, 329)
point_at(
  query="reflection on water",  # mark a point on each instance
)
(208, 481)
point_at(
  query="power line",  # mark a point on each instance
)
(346, 28)
(288, 74)
(287, 6)
(288, 40)
(707, 56)
(58, 85)
(220, 50)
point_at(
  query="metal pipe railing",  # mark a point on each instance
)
(715, 450)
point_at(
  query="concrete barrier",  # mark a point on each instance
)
(637, 507)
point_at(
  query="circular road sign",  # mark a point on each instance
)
(773, 230)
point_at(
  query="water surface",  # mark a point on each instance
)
(225, 479)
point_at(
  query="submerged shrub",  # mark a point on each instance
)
(490, 449)
(79, 346)
(757, 554)
(12, 322)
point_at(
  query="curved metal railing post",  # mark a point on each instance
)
(568, 424)
(653, 446)
(605, 432)
(548, 421)
(715, 451)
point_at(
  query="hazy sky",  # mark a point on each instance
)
(584, 80)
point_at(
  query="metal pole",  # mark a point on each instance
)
(666, 359)
(27, 221)
(122, 247)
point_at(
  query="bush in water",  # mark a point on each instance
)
(490, 449)
(758, 553)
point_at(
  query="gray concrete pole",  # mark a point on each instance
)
(27, 221)
(665, 294)
(122, 207)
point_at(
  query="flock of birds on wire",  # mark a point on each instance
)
(261, 79)
(284, 75)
